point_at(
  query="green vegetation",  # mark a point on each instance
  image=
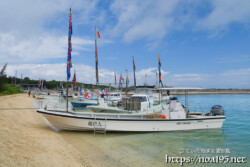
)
(5, 88)
(2, 77)
(8, 89)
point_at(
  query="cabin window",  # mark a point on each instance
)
(142, 99)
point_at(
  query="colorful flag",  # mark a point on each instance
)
(134, 73)
(101, 92)
(69, 63)
(127, 79)
(97, 36)
(159, 66)
(121, 77)
(96, 91)
(87, 94)
(74, 79)
(127, 82)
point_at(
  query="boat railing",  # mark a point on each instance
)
(196, 109)
(51, 106)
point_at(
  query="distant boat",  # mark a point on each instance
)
(111, 99)
(83, 102)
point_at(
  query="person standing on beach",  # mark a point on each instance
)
(29, 92)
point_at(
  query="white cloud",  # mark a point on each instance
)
(239, 78)
(34, 31)
(142, 19)
(31, 16)
(84, 73)
(14, 49)
(153, 20)
(225, 12)
(235, 59)
(239, 72)
(185, 77)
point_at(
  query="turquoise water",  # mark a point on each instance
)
(150, 149)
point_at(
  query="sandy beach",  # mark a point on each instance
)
(26, 140)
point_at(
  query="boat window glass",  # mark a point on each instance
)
(143, 99)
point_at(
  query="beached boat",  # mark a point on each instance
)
(173, 117)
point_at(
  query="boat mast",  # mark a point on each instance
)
(134, 72)
(126, 82)
(159, 67)
(69, 64)
(97, 36)
(115, 78)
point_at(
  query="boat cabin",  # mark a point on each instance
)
(141, 100)
(114, 96)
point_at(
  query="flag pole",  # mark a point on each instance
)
(96, 59)
(67, 89)
(69, 65)
(134, 73)
(159, 66)
(126, 82)
(115, 78)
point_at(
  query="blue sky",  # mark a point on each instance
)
(201, 43)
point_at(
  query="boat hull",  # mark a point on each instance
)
(80, 123)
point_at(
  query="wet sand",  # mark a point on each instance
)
(26, 140)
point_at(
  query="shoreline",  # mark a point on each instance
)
(211, 93)
(26, 140)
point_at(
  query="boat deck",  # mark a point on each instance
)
(115, 116)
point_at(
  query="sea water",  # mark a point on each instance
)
(150, 149)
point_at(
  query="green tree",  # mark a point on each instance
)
(26, 80)
(2, 76)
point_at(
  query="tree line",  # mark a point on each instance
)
(46, 84)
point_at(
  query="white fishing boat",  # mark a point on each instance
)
(173, 117)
